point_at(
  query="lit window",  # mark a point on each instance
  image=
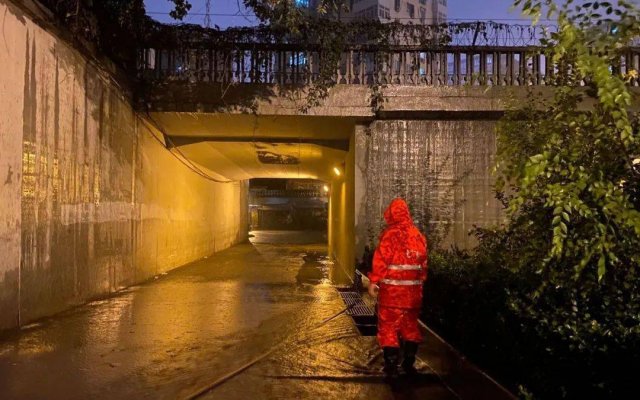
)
(302, 3)
(301, 59)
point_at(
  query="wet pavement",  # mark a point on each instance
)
(175, 335)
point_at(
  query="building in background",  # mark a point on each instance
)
(403, 11)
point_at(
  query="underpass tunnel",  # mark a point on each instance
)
(279, 206)
(268, 149)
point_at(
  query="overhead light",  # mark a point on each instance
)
(337, 171)
(325, 188)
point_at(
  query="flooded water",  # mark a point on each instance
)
(184, 330)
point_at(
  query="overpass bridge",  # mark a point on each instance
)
(415, 120)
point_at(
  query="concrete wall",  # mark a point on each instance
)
(443, 170)
(90, 200)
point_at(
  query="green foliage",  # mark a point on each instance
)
(115, 27)
(469, 300)
(569, 174)
(576, 152)
(571, 164)
(181, 9)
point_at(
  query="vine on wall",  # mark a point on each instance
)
(119, 28)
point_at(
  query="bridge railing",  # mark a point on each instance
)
(360, 65)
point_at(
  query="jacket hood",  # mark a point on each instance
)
(398, 213)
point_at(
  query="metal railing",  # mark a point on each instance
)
(360, 65)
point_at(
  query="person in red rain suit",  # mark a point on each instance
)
(399, 270)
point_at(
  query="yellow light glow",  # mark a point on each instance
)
(337, 171)
(325, 188)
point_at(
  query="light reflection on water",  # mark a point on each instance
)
(194, 323)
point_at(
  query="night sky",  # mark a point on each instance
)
(458, 9)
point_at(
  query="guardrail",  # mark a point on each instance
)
(361, 65)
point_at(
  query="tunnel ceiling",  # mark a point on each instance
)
(239, 146)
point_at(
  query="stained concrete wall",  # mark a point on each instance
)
(342, 218)
(91, 200)
(441, 167)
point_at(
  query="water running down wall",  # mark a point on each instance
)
(441, 168)
(90, 201)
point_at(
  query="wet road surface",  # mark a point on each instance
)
(169, 337)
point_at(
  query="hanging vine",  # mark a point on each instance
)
(120, 28)
(328, 40)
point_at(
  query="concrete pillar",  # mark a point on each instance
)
(360, 189)
(342, 218)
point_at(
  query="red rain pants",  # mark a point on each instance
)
(398, 322)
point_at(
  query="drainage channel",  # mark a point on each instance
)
(363, 315)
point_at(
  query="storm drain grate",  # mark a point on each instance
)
(363, 315)
(359, 309)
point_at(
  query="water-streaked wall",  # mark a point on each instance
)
(443, 170)
(90, 200)
(341, 221)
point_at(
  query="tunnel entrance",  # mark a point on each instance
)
(288, 210)
(299, 172)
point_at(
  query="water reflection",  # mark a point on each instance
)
(315, 269)
(162, 339)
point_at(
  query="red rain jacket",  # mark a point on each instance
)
(401, 243)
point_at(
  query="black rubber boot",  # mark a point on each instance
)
(391, 358)
(410, 349)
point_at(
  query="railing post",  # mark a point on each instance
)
(523, 69)
(432, 62)
(158, 65)
(495, 75)
(444, 68)
(482, 78)
(509, 75)
(470, 68)
(457, 66)
(402, 70)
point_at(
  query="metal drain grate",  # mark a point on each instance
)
(359, 309)
(362, 314)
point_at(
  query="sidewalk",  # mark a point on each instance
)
(181, 332)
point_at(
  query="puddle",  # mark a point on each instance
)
(315, 270)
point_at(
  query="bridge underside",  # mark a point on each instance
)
(241, 146)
